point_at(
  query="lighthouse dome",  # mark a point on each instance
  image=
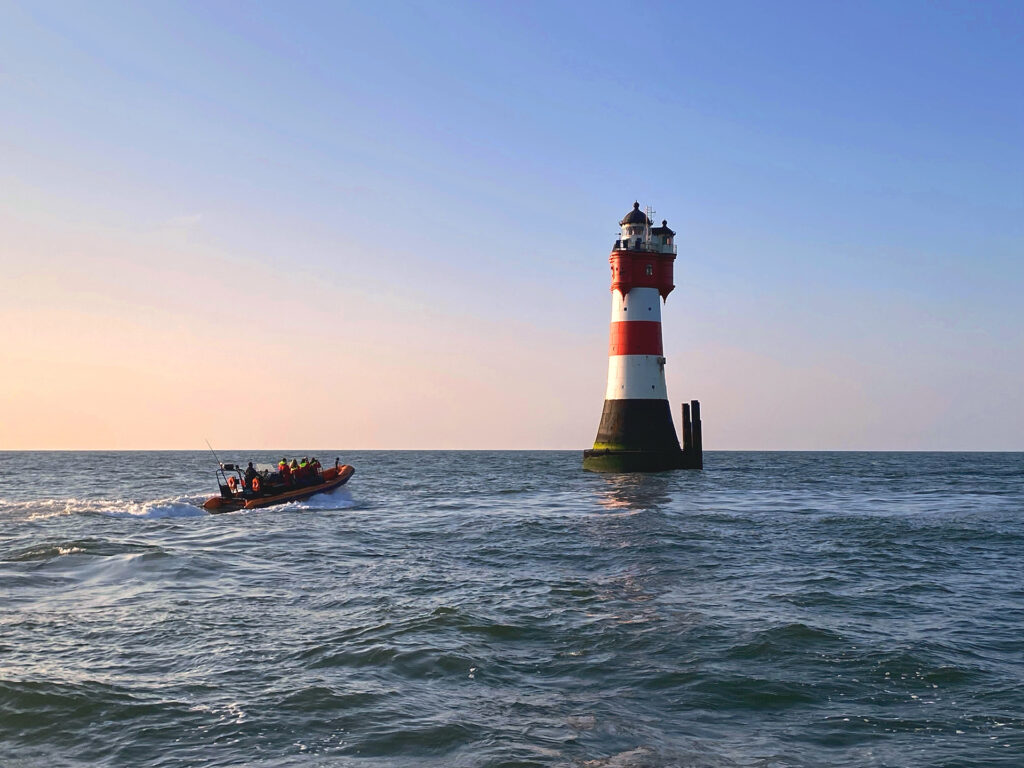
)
(663, 229)
(636, 216)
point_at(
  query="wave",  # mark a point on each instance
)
(150, 509)
(776, 642)
(89, 546)
(338, 499)
(38, 509)
(159, 509)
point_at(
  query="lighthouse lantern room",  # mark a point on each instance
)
(636, 433)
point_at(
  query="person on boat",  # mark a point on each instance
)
(304, 470)
(285, 470)
(314, 467)
(250, 473)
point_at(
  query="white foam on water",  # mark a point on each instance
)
(151, 509)
(338, 499)
(230, 712)
(159, 509)
(33, 510)
(40, 509)
(641, 757)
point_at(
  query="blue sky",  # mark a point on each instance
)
(847, 182)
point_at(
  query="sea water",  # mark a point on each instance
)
(509, 609)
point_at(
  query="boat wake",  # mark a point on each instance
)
(340, 498)
(159, 509)
(154, 509)
(183, 506)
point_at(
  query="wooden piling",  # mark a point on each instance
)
(698, 443)
(687, 430)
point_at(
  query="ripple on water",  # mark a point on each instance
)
(795, 639)
(91, 547)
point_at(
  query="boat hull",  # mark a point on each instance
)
(333, 478)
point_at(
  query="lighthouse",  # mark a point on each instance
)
(636, 433)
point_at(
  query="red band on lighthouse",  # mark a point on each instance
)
(635, 338)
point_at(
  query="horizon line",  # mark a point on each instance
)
(496, 450)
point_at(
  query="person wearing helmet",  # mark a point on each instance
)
(285, 470)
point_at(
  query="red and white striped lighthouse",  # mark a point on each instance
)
(636, 432)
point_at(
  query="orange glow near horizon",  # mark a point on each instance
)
(141, 339)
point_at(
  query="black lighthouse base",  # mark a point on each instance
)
(608, 460)
(638, 436)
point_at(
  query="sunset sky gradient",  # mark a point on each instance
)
(386, 225)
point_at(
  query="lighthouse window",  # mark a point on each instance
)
(649, 270)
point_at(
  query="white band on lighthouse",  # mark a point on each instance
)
(636, 377)
(639, 304)
(636, 368)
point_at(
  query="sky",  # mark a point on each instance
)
(386, 225)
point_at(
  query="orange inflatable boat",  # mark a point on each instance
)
(267, 489)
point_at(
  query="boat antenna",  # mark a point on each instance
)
(213, 452)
